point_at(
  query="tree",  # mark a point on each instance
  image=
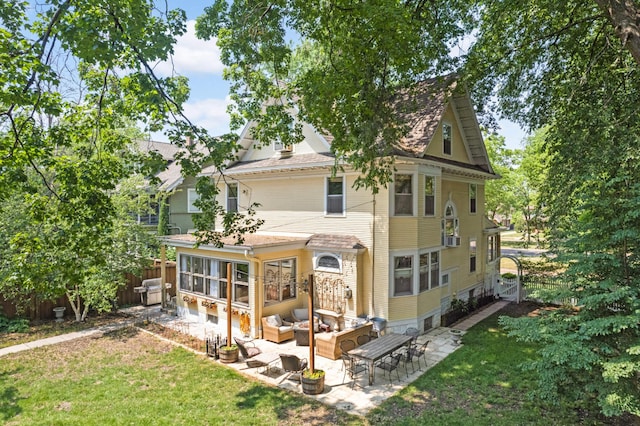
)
(499, 194)
(563, 66)
(570, 65)
(356, 58)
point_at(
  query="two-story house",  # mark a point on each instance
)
(401, 254)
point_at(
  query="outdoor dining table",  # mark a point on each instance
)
(376, 349)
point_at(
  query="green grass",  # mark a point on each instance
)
(479, 384)
(129, 377)
(132, 378)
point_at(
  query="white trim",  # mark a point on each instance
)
(414, 191)
(318, 255)
(344, 197)
(442, 125)
(415, 273)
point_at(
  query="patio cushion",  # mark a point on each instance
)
(274, 320)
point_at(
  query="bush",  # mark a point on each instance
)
(16, 325)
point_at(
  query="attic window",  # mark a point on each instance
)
(446, 138)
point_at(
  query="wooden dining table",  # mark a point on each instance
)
(378, 348)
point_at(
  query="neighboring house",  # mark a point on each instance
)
(401, 254)
(181, 191)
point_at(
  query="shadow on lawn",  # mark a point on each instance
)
(9, 397)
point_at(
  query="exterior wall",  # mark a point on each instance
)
(179, 218)
(294, 202)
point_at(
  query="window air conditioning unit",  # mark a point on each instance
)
(452, 241)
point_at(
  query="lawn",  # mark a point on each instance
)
(130, 377)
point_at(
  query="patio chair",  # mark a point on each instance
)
(365, 338)
(248, 351)
(420, 353)
(347, 345)
(353, 367)
(390, 363)
(292, 364)
(413, 332)
(406, 357)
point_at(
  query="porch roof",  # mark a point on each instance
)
(251, 242)
(262, 241)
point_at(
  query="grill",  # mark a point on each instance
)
(151, 291)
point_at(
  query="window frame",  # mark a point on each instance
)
(328, 195)
(230, 198)
(192, 196)
(432, 196)
(281, 284)
(404, 195)
(473, 255)
(473, 198)
(187, 276)
(410, 275)
(318, 256)
(447, 144)
(428, 274)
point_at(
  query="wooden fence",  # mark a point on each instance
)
(125, 297)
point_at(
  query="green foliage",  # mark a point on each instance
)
(15, 325)
(342, 79)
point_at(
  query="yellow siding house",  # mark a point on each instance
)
(401, 255)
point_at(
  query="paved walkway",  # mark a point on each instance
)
(338, 391)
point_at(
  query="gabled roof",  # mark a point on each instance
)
(420, 107)
(171, 176)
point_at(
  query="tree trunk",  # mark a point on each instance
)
(624, 15)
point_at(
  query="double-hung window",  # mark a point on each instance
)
(429, 271)
(232, 197)
(403, 275)
(473, 198)
(335, 195)
(403, 195)
(472, 254)
(447, 133)
(429, 196)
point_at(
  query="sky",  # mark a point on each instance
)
(199, 60)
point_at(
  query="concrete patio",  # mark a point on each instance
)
(338, 391)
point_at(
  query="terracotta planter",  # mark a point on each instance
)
(312, 386)
(228, 356)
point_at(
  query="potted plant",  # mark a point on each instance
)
(312, 381)
(228, 354)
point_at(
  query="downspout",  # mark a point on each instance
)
(373, 259)
(259, 295)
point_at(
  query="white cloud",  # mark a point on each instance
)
(209, 113)
(192, 55)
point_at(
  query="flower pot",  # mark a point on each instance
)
(59, 311)
(228, 355)
(313, 385)
(456, 335)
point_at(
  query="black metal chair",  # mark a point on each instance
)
(248, 351)
(406, 357)
(291, 364)
(420, 352)
(353, 367)
(390, 363)
(413, 332)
